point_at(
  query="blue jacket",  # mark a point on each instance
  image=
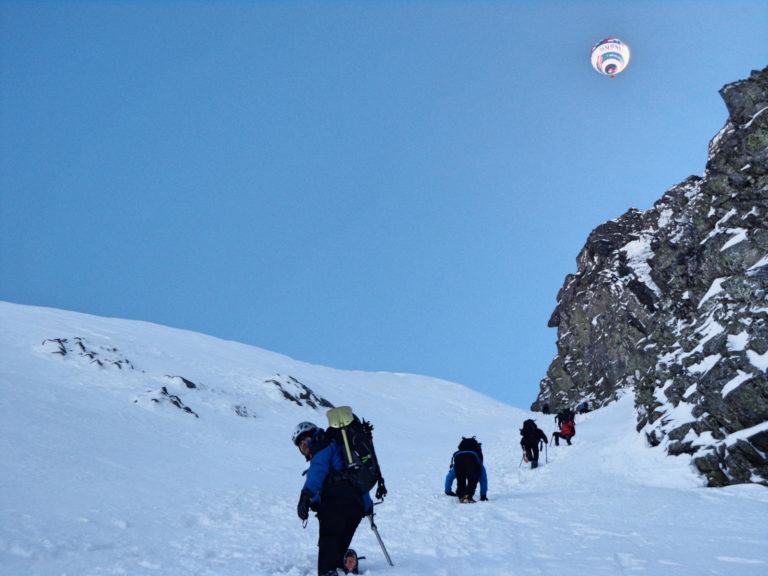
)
(323, 462)
(451, 476)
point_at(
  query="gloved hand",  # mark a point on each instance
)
(304, 503)
(381, 490)
(483, 498)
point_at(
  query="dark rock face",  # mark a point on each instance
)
(672, 304)
(82, 352)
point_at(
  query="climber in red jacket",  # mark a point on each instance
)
(567, 431)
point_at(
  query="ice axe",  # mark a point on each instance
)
(378, 537)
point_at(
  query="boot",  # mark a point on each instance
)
(350, 562)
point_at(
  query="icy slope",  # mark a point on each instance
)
(103, 474)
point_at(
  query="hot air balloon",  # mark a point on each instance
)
(610, 56)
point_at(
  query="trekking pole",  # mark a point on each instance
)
(546, 453)
(376, 532)
(521, 460)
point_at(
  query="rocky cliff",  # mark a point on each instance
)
(671, 304)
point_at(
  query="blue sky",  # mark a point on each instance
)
(396, 186)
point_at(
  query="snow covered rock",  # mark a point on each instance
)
(673, 303)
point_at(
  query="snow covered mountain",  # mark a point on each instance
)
(132, 448)
(672, 303)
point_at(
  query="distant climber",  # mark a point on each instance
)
(467, 469)
(567, 431)
(532, 437)
(563, 416)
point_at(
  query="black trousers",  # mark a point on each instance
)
(468, 471)
(339, 516)
(532, 453)
(558, 435)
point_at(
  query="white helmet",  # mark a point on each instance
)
(301, 430)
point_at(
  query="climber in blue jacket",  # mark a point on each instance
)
(467, 469)
(339, 505)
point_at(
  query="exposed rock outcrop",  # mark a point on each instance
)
(672, 303)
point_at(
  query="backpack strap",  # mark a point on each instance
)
(319, 441)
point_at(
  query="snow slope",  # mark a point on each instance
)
(102, 474)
